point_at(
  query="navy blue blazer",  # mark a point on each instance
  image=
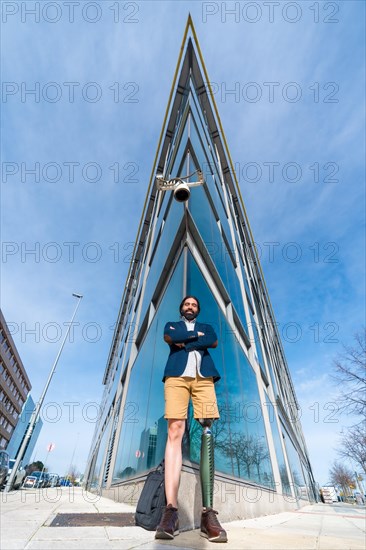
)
(178, 357)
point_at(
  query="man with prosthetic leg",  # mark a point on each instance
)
(190, 374)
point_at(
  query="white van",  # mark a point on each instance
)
(19, 478)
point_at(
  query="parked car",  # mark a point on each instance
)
(20, 475)
(4, 468)
(64, 482)
(53, 480)
(36, 480)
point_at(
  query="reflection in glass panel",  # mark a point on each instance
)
(201, 108)
(205, 221)
(165, 197)
(109, 396)
(171, 172)
(212, 166)
(257, 343)
(94, 483)
(272, 375)
(171, 225)
(173, 167)
(143, 434)
(278, 448)
(179, 123)
(295, 465)
(243, 272)
(241, 447)
(210, 180)
(309, 491)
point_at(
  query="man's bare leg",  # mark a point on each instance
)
(168, 527)
(173, 460)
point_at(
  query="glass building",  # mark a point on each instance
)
(203, 246)
(21, 430)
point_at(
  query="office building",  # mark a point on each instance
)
(202, 246)
(15, 384)
(20, 432)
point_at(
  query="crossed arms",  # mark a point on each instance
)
(191, 340)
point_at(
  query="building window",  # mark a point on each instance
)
(295, 465)
(241, 447)
(171, 225)
(144, 418)
(217, 250)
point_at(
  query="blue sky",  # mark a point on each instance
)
(294, 124)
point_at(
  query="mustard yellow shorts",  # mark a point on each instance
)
(178, 391)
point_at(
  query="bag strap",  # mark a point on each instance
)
(160, 467)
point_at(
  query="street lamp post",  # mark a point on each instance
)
(37, 409)
(72, 456)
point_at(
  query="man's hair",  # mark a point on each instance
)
(186, 298)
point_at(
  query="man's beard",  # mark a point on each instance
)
(189, 315)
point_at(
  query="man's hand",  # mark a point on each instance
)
(200, 333)
(179, 345)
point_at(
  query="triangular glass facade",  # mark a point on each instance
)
(202, 246)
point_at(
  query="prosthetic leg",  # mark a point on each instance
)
(210, 525)
(207, 462)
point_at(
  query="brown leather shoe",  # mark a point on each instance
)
(169, 524)
(211, 528)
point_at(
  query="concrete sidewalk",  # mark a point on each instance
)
(26, 516)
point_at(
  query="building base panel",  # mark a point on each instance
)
(233, 500)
